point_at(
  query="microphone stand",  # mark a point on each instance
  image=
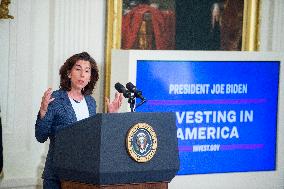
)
(131, 95)
(131, 102)
(142, 102)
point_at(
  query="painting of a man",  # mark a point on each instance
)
(182, 24)
(209, 25)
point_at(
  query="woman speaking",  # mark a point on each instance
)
(71, 103)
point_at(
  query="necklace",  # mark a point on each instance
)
(77, 99)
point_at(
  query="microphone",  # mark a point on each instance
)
(121, 89)
(134, 90)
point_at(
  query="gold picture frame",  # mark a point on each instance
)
(250, 34)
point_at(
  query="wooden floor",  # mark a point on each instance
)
(75, 185)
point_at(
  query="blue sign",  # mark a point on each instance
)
(226, 111)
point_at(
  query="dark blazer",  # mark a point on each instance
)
(60, 114)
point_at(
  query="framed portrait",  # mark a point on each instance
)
(180, 25)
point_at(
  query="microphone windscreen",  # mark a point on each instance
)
(119, 87)
(130, 87)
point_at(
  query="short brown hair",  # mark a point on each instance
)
(65, 82)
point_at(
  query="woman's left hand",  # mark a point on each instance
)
(115, 104)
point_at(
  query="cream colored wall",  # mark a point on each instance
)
(272, 25)
(24, 46)
(34, 45)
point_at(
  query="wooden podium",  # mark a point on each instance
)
(103, 151)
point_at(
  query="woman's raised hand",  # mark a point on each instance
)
(46, 99)
(115, 104)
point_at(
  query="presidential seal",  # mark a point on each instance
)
(141, 142)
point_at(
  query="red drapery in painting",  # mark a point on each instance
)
(163, 24)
